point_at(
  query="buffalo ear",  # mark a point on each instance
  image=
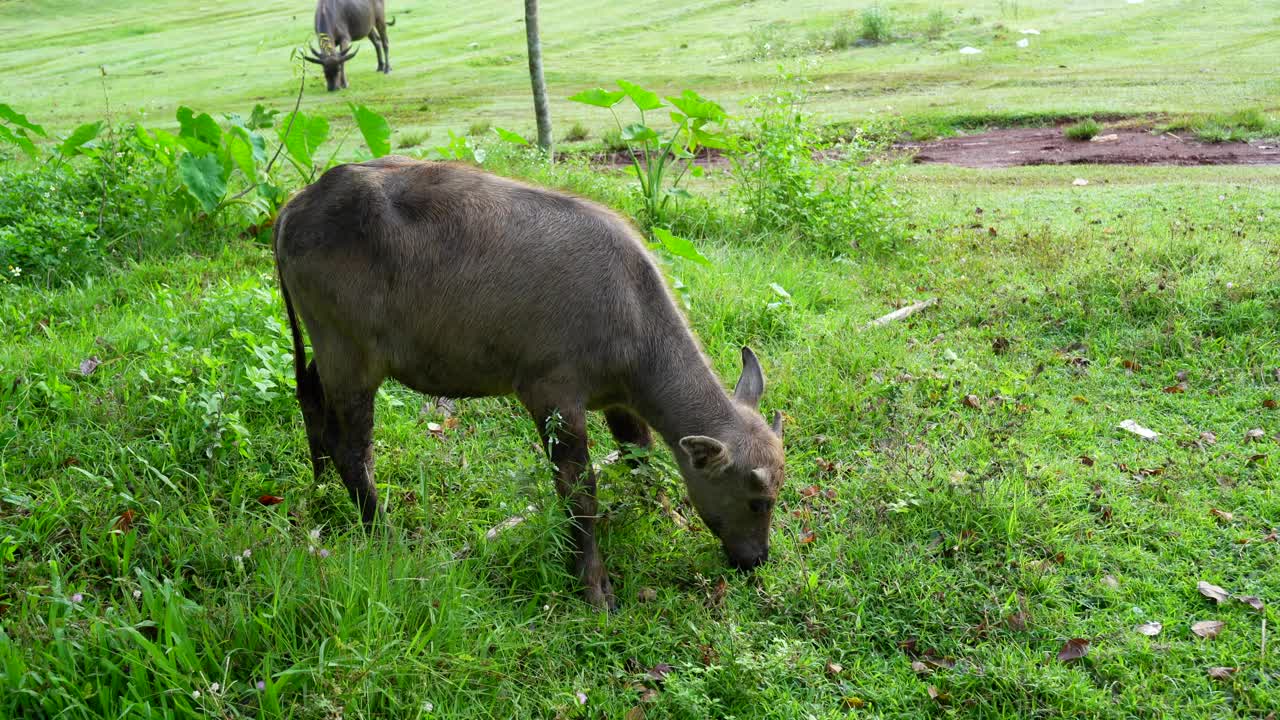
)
(705, 452)
(777, 423)
(751, 384)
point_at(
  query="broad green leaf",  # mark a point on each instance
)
(643, 99)
(202, 127)
(679, 247)
(508, 136)
(636, 132)
(678, 192)
(19, 137)
(83, 134)
(261, 118)
(202, 176)
(598, 97)
(696, 171)
(13, 117)
(242, 153)
(709, 139)
(304, 135)
(374, 128)
(695, 106)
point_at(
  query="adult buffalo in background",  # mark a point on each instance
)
(339, 23)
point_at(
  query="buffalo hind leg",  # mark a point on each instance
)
(377, 48)
(349, 437)
(386, 46)
(564, 435)
(316, 416)
(628, 429)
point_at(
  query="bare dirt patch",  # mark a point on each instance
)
(1119, 146)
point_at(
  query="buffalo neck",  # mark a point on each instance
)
(678, 395)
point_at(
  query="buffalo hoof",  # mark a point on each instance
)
(387, 69)
(598, 591)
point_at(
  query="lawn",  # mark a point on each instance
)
(961, 505)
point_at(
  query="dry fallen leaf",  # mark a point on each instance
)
(1176, 389)
(659, 672)
(1221, 514)
(503, 526)
(1111, 582)
(834, 668)
(717, 593)
(635, 713)
(1208, 628)
(1086, 461)
(1270, 404)
(1208, 438)
(1073, 649)
(647, 595)
(1150, 629)
(972, 401)
(810, 491)
(807, 536)
(853, 702)
(125, 521)
(1142, 432)
(1017, 622)
(1255, 435)
(1252, 601)
(270, 499)
(1213, 592)
(89, 364)
(826, 467)
(1131, 365)
(1222, 673)
(919, 668)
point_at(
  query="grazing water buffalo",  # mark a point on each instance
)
(339, 23)
(464, 284)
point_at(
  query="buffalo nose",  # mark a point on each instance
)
(749, 561)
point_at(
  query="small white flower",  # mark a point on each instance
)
(315, 535)
(14, 270)
(195, 694)
(214, 688)
(311, 549)
(427, 707)
(247, 552)
(137, 594)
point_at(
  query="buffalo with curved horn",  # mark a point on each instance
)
(339, 23)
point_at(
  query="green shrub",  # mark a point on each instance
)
(1086, 129)
(827, 193)
(413, 138)
(842, 38)
(612, 140)
(876, 25)
(1235, 126)
(479, 127)
(578, 133)
(936, 23)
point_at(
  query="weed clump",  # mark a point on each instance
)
(826, 192)
(577, 133)
(876, 26)
(1084, 130)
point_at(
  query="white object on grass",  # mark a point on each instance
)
(1136, 429)
(967, 50)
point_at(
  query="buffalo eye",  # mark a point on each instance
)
(760, 506)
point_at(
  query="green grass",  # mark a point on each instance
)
(958, 492)
(1086, 129)
(946, 522)
(1238, 126)
(452, 67)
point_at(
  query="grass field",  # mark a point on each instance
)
(960, 501)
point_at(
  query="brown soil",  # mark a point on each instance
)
(1118, 146)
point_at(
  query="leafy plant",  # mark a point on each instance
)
(463, 149)
(789, 178)
(374, 128)
(1086, 129)
(936, 23)
(876, 25)
(16, 130)
(577, 133)
(413, 138)
(659, 161)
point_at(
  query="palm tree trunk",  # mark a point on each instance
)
(535, 75)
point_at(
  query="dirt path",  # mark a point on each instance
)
(1119, 146)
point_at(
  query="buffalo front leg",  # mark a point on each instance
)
(628, 429)
(564, 435)
(349, 437)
